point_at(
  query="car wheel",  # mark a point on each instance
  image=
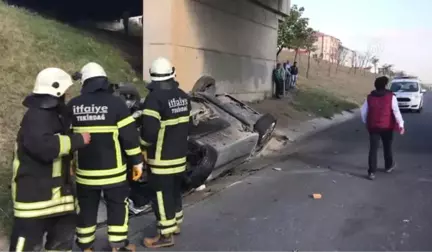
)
(201, 162)
(265, 127)
(205, 84)
(127, 92)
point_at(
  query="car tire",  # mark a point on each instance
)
(265, 127)
(205, 84)
(199, 170)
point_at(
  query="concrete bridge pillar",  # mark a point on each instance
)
(232, 41)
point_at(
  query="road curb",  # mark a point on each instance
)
(284, 137)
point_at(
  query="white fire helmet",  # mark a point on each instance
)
(91, 70)
(161, 70)
(52, 81)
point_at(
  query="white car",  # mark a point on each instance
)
(409, 93)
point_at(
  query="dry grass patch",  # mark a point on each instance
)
(320, 95)
(342, 84)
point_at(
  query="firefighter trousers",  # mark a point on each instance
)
(167, 201)
(117, 213)
(28, 233)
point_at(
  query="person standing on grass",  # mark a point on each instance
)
(279, 78)
(380, 112)
(294, 73)
(288, 75)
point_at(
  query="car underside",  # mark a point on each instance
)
(225, 133)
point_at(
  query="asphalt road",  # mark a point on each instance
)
(272, 209)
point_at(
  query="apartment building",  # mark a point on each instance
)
(327, 47)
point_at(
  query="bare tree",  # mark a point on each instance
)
(316, 58)
(341, 56)
(359, 61)
(333, 55)
(353, 61)
(375, 61)
(373, 51)
(309, 45)
(386, 69)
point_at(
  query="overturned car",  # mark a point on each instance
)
(225, 131)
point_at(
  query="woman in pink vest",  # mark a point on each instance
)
(380, 112)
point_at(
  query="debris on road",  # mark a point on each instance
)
(406, 221)
(334, 181)
(277, 169)
(316, 196)
(235, 183)
(200, 188)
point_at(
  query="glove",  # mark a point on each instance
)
(137, 171)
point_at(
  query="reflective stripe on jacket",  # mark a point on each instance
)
(41, 186)
(114, 138)
(165, 127)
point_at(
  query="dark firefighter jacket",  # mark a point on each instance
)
(41, 185)
(165, 127)
(114, 137)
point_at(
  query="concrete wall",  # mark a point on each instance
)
(232, 41)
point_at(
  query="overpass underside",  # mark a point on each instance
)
(233, 41)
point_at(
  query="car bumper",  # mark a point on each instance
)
(413, 104)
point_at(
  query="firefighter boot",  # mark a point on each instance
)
(178, 230)
(130, 247)
(159, 241)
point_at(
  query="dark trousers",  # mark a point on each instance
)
(167, 203)
(279, 87)
(140, 193)
(28, 233)
(117, 211)
(386, 136)
(288, 82)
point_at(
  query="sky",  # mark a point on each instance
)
(399, 31)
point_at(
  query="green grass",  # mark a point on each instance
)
(320, 102)
(28, 44)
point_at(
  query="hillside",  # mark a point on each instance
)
(323, 94)
(29, 43)
(343, 83)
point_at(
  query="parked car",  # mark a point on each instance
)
(409, 93)
(225, 132)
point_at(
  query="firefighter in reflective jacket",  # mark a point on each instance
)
(42, 192)
(164, 132)
(101, 166)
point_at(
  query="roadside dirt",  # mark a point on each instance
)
(282, 110)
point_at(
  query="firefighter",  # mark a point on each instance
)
(101, 166)
(42, 192)
(164, 132)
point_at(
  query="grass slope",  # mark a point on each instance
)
(325, 92)
(29, 43)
